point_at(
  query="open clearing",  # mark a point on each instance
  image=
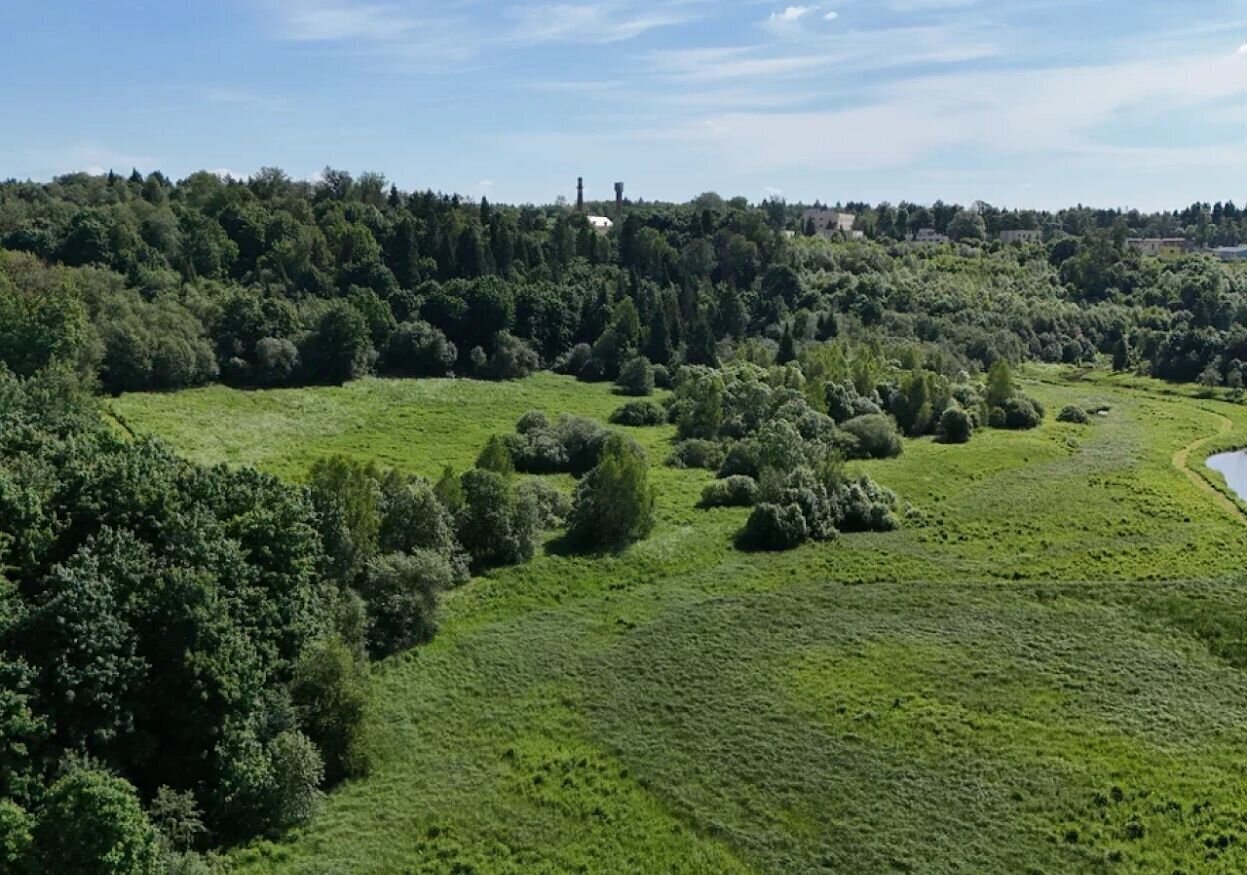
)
(1044, 671)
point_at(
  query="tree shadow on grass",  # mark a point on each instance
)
(567, 547)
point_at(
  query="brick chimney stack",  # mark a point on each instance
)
(580, 194)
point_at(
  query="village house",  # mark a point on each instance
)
(830, 223)
(1023, 237)
(1160, 247)
(929, 235)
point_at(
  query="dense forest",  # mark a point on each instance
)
(183, 648)
(274, 282)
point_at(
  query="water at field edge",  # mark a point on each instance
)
(1233, 467)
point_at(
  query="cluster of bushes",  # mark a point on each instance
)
(815, 503)
(613, 503)
(639, 413)
(570, 445)
(1007, 405)
(777, 454)
(763, 418)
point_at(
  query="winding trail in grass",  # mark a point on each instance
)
(1224, 426)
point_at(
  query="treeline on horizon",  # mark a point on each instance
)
(149, 284)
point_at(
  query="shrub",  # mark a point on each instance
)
(533, 420)
(1022, 412)
(553, 505)
(328, 692)
(741, 459)
(400, 592)
(772, 527)
(417, 349)
(876, 435)
(413, 518)
(574, 360)
(865, 506)
(495, 526)
(736, 491)
(955, 426)
(844, 403)
(696, 453)
(513, 358)
(572, 445)
(614, 503)
(996, 417)
(496, 456)
(662, 377)
(639, 413)
(276, 362)
(636, 377)
(1073, 413)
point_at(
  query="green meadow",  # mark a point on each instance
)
(1043, 670)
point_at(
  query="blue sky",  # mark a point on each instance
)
(1017, 102)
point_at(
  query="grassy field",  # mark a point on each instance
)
(1044, 671)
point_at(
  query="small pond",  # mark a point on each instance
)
(1233, 467)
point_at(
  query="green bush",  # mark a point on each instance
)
(1022, 412)
(636, 377)
(772, 527)
(495, 526)
(955, 427)
(735, 491)
(696, 453)
(1073, 413)
(553, 505)
(614, 503)
(639, 413)
(512, 359)
(876, 434)
(329, 692)
(400, 592)
(417, 349)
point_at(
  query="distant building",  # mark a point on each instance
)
(930, 235)
(830, 223)
(1023, 237)
(1231, 253)
(601, 224)
(1159, 247)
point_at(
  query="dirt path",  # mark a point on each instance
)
(1224, 427)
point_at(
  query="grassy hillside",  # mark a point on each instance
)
(1018, 680)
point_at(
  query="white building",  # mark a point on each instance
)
(1231, 253)
(1023, 237)
(601, 224)
(929, 235)
(829, 223)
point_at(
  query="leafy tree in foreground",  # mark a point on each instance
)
(93, 822)
(614, 504)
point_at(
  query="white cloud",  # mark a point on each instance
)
(788, 21)
(1001, 113)
(1242, 50)
(602, 22)
(831, 16)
